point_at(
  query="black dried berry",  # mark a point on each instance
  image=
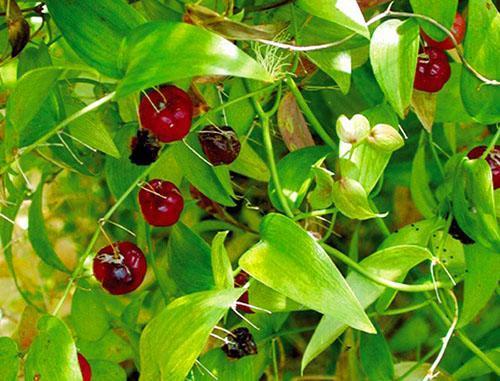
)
(240, 344)
(145, 148)
(220, 144)
(456, 232)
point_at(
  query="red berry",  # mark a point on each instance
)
(167, 113)
(120, 267)
(493, 160)
(220, 144)
(458, 31)
(161, 202)
(239, 281)
(433, 70)
(84, 368)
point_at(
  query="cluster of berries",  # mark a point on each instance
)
(433, 68)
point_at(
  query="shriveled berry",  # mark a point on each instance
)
(458, 31)
(456, 232)
(493, 160)
(240, 344)
(220, 144)
(161, 202)
(239, 281)
(167, 112)
(84, 368)
(144, 147)
(120, 267)
(433, 70)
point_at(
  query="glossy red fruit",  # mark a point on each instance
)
(458, 31)
(239, 281)
(84, 368)
(167, 112)
(433, 70)
(493, 160)
(161, 202)
(220, 144)
(120, 268)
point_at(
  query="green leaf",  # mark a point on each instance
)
(250, 164)
(89, 317)
(449, 104)
(295, 174)
(111, 347)
(261, 295)
(9, 359)
(189, 260)
(95, 31)
(26, 101)
(221, 265)
(420, 371)
(37, 233)
(52, 355)
(420, 190)
(351, 199)
(157, 10)
(203, 176)
(107, 371)
(173, 340)
(90, 130)
(481, 40)
(475, 367)
(392, 263)
(300, 269)
(337, 65)
(342, 12)
(186, 51)
(321, 197)
(480, 283)
(393, 55)
(474, 202)
(376, 357)
(443, 12)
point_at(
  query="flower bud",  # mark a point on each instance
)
(385, 138)
(353, 130)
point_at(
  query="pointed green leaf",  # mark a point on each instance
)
(186, 51)
(89, 317)
(173, 340)
(52, 355)
(443, 12)
(321, 197)
(221, 265)
(420, 190)
(37, 233)
(480, 47)
(95, 30)
(376, 357)
(342, 12)
(300, 269)
(393, 55)
(475, 367)
(107, 371)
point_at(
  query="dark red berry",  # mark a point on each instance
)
(458, 31)
(145, 148)
(456, 232)
(493, 160)
(220, 144)
(433, 70)
(240, 344)
(120, 267)
(84, 368)
(167, 112)
(161, 202)
(239, 281)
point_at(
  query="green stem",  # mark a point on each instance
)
(404, 310)
(417, 364)
(377, 279)
(314, 213)
(435, 155)
(492, 144)
(154, 264)
(466, 341)
(315, 124)
(380, 221)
